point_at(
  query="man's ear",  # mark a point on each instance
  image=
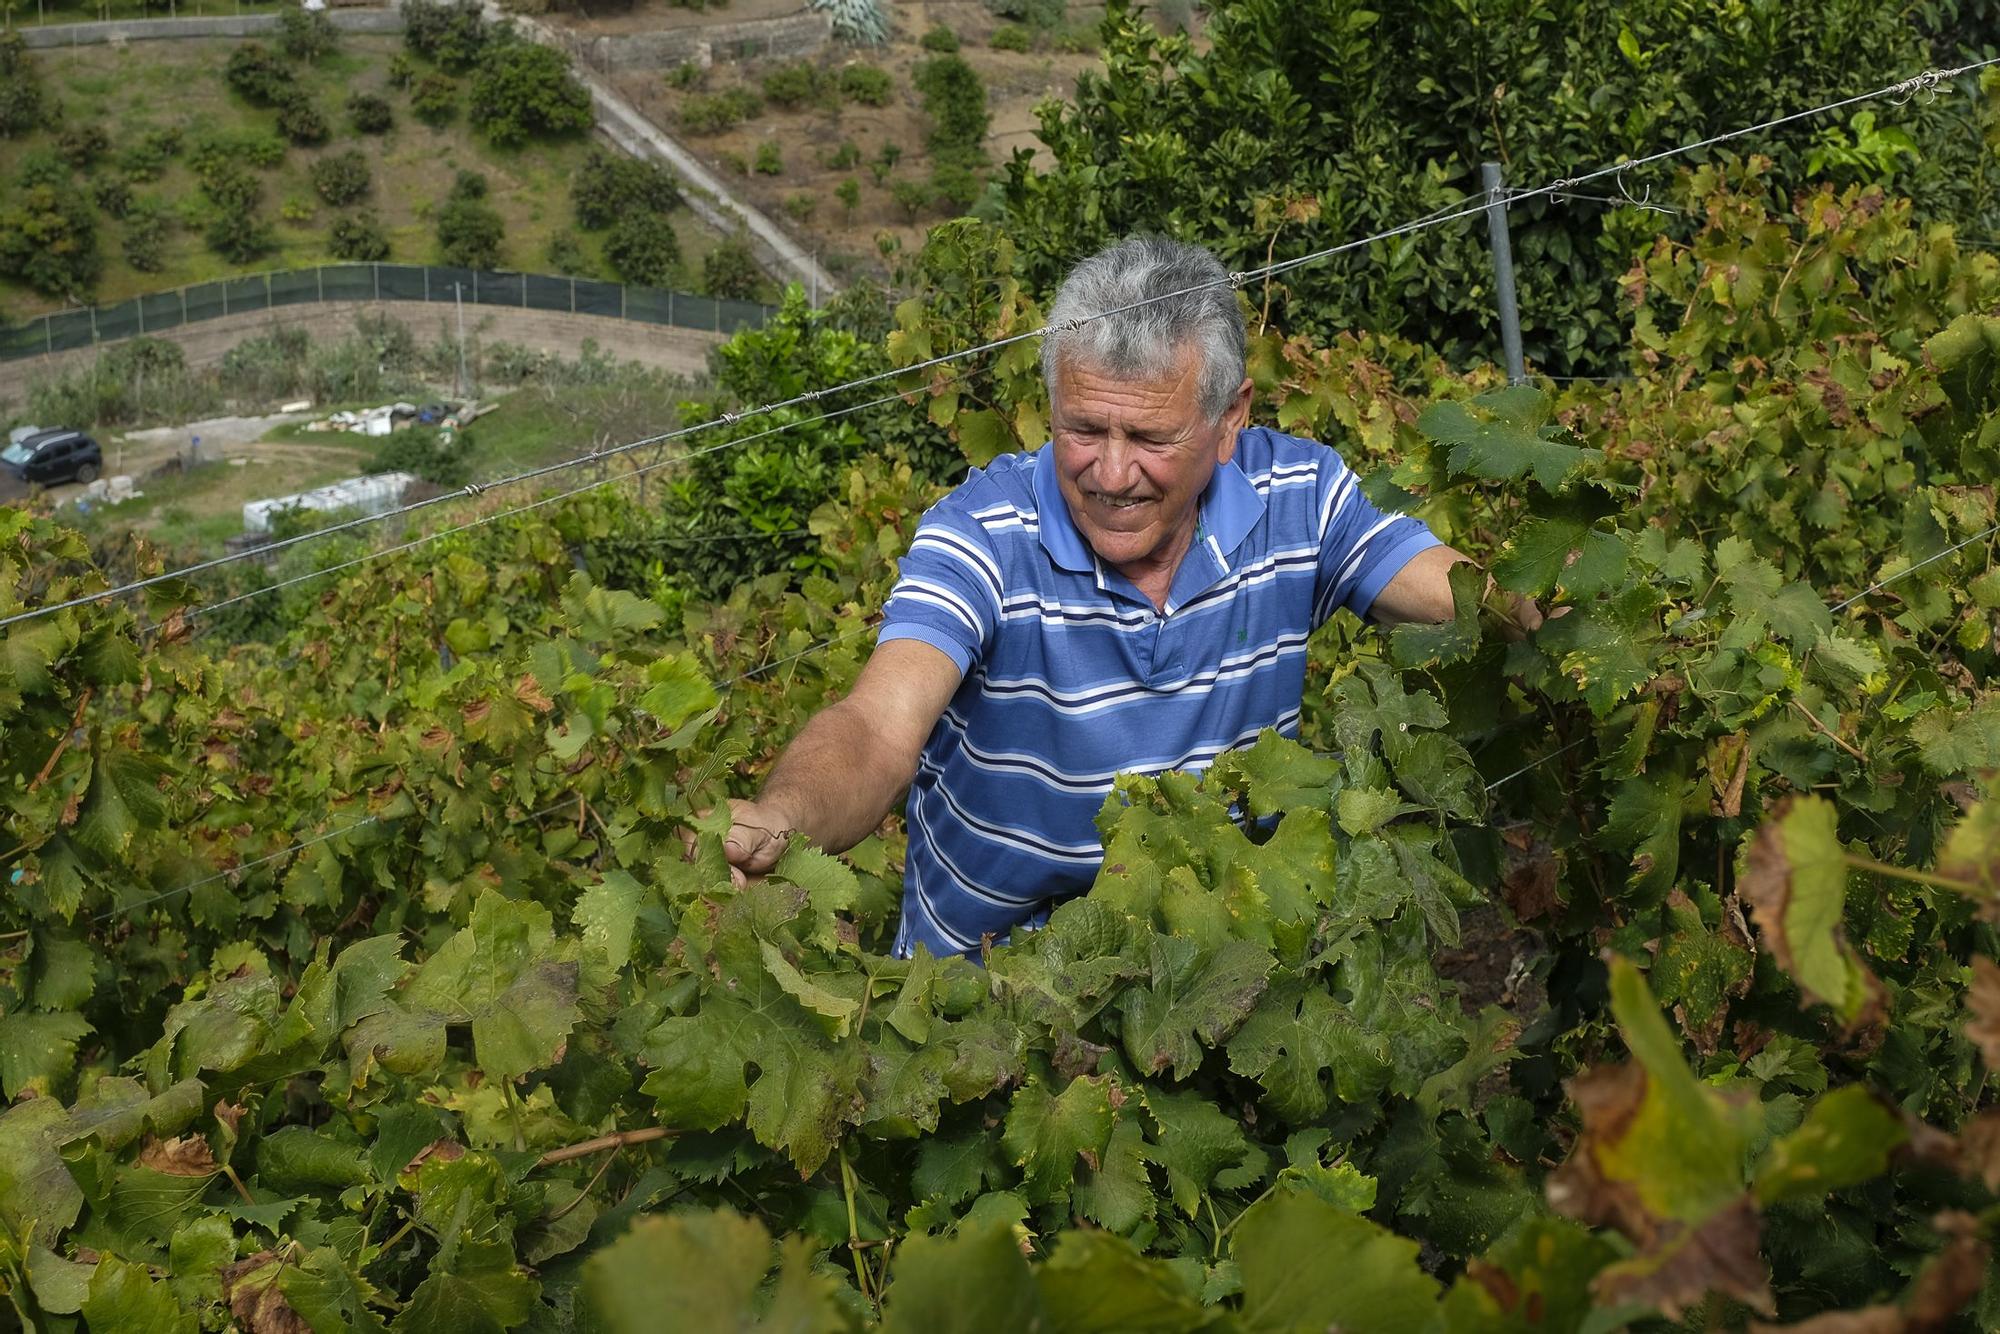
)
(1234, 418)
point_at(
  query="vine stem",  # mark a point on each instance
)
(1828, 732)
(854, 1236)
(1930, 878)
(584, 1194)
(76, 721)
(619, 1140)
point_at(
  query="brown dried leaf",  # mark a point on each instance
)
(1607, 1097)
(230, 1114)
(1529, 874)
(443, 1150)
(187, 1156)
(530, 694)
(1982, 1004)
(250, 1286)
(1979, 1146)
(1687, 1264)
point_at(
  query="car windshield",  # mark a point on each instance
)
(16, 453)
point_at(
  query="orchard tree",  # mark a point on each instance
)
(48, 240)
(643, 248)
(521, 90)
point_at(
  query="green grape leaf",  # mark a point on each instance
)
(1503, 435)
(1116, 1193)
(124, 800)
(503, 975)
(1562, 554)
(933, 1278)
(693, 1272)
(1415, 644)
(1194, 1000)
(1307, 1265)
(1193, 1140)
(1795, 879)
(1275, 774)
(1095, 1283)
(1847, 1139)
(38, 1050)
(483, 1292)
(1300, 1044)
(125, 1299)
(1048, 1135)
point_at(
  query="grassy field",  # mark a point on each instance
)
(153, 85)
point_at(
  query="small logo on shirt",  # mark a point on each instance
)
(1242, 636)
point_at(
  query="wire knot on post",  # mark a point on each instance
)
(1237, 280)
(731, 418)
(473, 488)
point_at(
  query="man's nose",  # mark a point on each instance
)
(1116, 468)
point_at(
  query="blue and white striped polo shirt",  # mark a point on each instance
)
(1072, 677)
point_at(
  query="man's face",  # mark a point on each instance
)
(1133, 456)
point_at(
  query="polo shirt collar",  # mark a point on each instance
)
(1230, 507)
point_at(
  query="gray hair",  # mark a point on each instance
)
(1097, 319)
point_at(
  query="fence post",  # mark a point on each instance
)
(319, 282)
(1495, 190)
(670, 306)
(140, 302)
(621, 301)
(184, 305)
(48, 337)
(93, 326)
(572, 296)
(376, 269)
(427, 283)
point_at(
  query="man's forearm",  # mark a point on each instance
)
(832, 783)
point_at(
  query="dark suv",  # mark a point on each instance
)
(50, 457)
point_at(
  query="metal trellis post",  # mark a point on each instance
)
(1495, 190)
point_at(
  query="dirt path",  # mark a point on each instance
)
(139, 452)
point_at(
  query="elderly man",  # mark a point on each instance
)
(1136, 596)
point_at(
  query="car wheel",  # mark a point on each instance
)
(86, 473)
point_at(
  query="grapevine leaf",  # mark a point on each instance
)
(954, 1170)
(1194, 1000)
(1605, 647)
(483, 1293)
(906, 1084)
(606, 914)
(1795, 879)
(1503, 435)
(1846, 1139)
(983, 435)
(123, 1296)
(1116, 1193)
(502, 974)
(36, 1190)
(1699, 971)
(1534, 1279)
(1193, 1140)
(124, 799)
(327, 1294)
(1276, 774)
(1095, 1283)
(838, 1010)
(933, 1276)
(1972, 849)
(1300, 1043)
(1308, 1265)
(1564, 554)
(1048, 1134)
(678, 692)
(37, 1050)
(1645, 819)
(1363, 810)
(1956, 743)
(703, 1271)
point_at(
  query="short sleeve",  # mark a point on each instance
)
(948, 591)
(1360, 548)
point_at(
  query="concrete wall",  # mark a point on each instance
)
(222, 25)
(557, 332)
(784, 38)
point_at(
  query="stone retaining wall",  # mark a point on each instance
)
(790, 37)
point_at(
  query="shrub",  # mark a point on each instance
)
(685, 75)
(867, 84)
(843, 157)
(955, 186)
(736, 162)
(1011, 37)
(231, 188)
(731, 270)
(145, 235)
(113, 194)
(610, 185)
(910, 196)
(521, 90)
(23, 105)
(341, 178)
(939, 39)
(422, 452)
(297, 209)
(239, 236)
(306, 34)
(219, 150)
(794, 84)
(955, 100)
(300, 121)
(402, 70)
(358, 236)
(48, 240)
(452, 34)
(257, 75)
(469, 230)
(145, 158)
(369, 113)
(715, 112)
(42, 166)
(82, 145)
(801, 206)
(643, 248)
(435, 99)
(565, 255)
(770, 159)
(848, 192)
(1033, 13)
